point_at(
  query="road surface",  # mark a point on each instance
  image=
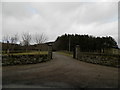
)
(62, 72)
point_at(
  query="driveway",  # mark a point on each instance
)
(62, 72)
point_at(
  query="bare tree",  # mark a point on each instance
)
(26, 37)
(10, 39)
(6, 38)
(14, 39)
(40, 38)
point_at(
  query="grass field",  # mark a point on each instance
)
(29, 53)
(66, 53)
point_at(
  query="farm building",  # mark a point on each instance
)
(19, 48)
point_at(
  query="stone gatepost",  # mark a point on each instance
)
(77, 51)
(49, 51)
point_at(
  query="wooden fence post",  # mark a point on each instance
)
(49, 51)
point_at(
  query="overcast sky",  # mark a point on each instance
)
(57, 18)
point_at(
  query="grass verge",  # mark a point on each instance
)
(29, 53)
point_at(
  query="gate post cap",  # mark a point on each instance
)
(50, 44)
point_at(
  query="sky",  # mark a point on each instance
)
(57, 18)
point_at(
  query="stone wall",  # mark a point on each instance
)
(102, 59)
(109, 58)
(23, 59)
(13, 59)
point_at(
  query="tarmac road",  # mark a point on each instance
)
(62, 72)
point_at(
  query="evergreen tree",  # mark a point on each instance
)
(86, 42)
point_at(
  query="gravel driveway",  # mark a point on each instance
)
(63, 72)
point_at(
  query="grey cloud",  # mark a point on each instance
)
(15, 9)
(97, 12)
(58, 18)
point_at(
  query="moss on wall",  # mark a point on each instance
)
(102, 59)
(23, 59)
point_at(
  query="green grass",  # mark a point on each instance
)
(29, 53)
(66, 53)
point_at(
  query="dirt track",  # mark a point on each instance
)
(62, 71)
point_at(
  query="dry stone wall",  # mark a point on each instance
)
(102, 59)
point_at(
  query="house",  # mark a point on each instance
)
(38, 47)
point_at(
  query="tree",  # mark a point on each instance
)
(26, 37)
(14, 39)
(40, 38)
(6, 38)
(87, 43)
(11, 39)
